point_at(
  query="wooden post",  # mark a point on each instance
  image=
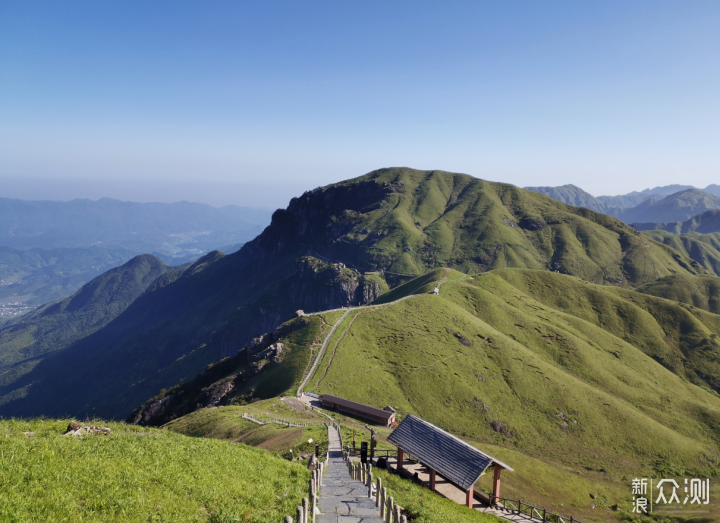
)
(383, 502)
(403, 519)
(400, 454)
(432, 480)
(378, 489)
(389, 510)
(496, 484)
(299, 514)
(288, 519)
(397, 513)
(370, 484)
(305, 510)
(469, 496)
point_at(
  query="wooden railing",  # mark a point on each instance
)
(355, 451)
(281, 421)
(516, 506)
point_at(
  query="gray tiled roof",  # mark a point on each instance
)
(452, 458)
(360, 407)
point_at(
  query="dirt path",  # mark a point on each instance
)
(334, 350)
(321, 351)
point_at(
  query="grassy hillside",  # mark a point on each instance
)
(702, 292)
(138, 475)
(703, 248)
(314, 256)
(437, 219)
(591, 383)
(226, 423)
(551, 367)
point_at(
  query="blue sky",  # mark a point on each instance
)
(253, 102)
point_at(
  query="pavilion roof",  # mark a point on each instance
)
(452, 458)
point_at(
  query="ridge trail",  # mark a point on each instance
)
(326, 341)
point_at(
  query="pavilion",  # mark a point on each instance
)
(442, 453)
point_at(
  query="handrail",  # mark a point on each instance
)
(541, 514)
(281, 421)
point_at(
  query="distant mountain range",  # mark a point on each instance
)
(172, 229)
(706, 222)
(48, 249)
(662, 204)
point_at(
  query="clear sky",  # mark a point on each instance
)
(251, 102)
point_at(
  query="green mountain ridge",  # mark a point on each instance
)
(544, 365)
(387, 223)
(702, 248)
(702, 292)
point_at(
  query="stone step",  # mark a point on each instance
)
(343, 499)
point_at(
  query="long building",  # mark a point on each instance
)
(380, 416)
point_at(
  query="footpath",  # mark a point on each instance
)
(343, 499)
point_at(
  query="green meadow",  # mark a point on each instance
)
(138, 475)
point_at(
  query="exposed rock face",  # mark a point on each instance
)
(211, 396)
(318, 217)
(532, 224)
(319, 285)
(144, 415)
(220, 381)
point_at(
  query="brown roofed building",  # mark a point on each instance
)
(379, 416)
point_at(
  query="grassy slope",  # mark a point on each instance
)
(139, 475)
(540, 349)
(445, 219)
(703, 248)
(702, 292)
(227, 423)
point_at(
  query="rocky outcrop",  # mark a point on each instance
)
(151, 410)
(318, 217)
(320, 285)
(221, 381)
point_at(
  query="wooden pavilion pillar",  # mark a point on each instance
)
(400, 459)
(432, 480)
(497, 469)
(469, 498)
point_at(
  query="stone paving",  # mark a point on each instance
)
(343, 499)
